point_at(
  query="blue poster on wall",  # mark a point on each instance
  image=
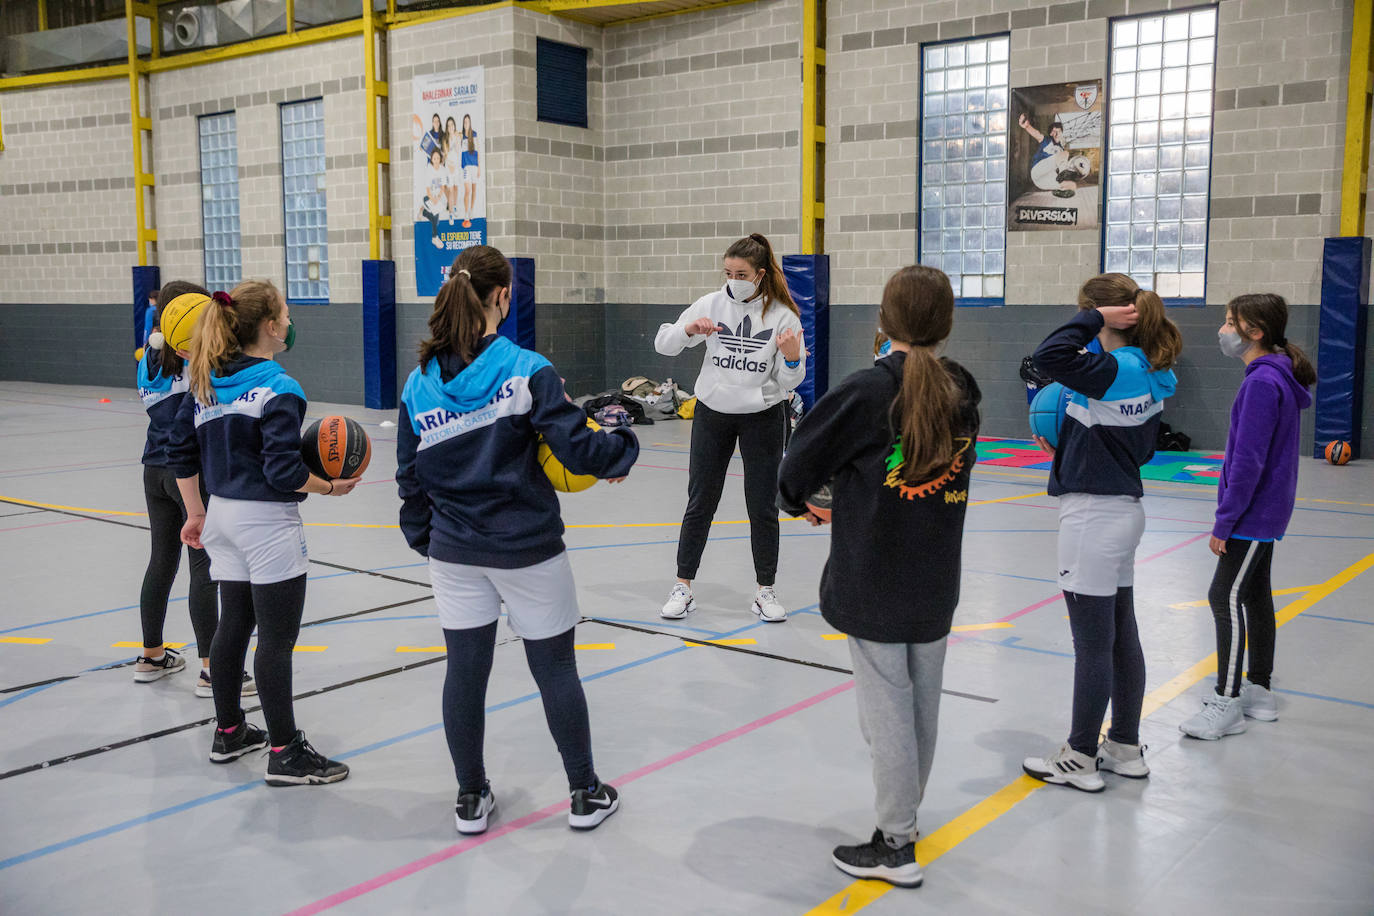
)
(450, 200)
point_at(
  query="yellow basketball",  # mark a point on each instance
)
(563, 480)
(179, 319)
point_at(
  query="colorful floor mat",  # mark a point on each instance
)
(1183, 467)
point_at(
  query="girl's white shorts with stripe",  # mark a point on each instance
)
(1098, 536)
(541, 600)
(253, 541)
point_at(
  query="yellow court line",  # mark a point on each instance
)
(974, 627)
(1204, 602)
(26, 640)
(833, 636)
(422, 648)
(310, 648)
(1334, 502)
(129, 644)
(1007, 499)
(595, 645)
(929, 848)
(28, 502)
(723, 642)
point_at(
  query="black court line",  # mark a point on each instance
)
(172, 730)
(761, 654)
(308, 623)
(17, 514)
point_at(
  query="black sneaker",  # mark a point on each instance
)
(299, 764)
(876, 859)
(204, 688)
(233, 745)
(1063, 192)
(472, 809)
(592, 806)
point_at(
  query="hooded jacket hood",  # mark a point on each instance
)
(1280, 368)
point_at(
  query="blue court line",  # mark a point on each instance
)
(28, 693)
(48, 850)
(989, 572)
(1333, 537)
(102, 467)
(1368, 623)
(1318, 696)
(1011, 643)
(658, 623)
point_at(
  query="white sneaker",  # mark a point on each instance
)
(680, 603)
(203, 688)
(438, 242)
(1258, 702)
(1220, 716)
(1123, 759)
(766, 605)
(1066, 767)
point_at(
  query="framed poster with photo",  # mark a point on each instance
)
(1054, 176)
(449, 207)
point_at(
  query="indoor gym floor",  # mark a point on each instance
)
(740, 765)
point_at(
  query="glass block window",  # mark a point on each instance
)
(964, 163)
(1160, 150)
(219, 200)
(302, 170)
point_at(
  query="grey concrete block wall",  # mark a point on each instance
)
(94, 347)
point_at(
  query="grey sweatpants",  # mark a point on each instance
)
(898, 689)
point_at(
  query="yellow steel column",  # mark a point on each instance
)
(140, 124)
(377, 156)
(1354, 178)
(42, 15)
(812, 127)
(291, 17)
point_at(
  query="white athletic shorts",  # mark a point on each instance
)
(253, 541)
(470, 173)
(1098, 536)
(541, 600)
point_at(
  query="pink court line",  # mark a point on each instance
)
(534, 817)
(71, 521)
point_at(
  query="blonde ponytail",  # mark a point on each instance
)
(229, 324)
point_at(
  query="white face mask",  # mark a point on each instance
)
(1232, 344)
(741, 290)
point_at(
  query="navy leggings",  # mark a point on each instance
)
(554, 667)
(276, 611)
(1108, 665)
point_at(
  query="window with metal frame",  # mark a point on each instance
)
(1160, 150)
(303, 201)
(964, 164)
(219, 200)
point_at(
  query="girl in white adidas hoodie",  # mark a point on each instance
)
(754, 359)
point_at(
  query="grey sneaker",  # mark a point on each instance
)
(1258, 702)
(1220, 716)
(1066, 767)
(147, 670)
(1123, 759)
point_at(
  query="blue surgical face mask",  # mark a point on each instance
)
(1232, 344)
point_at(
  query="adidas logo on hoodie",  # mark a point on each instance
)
(741, 344)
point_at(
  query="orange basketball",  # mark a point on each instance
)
(1338, 452)
(821, 503)
(336, 447)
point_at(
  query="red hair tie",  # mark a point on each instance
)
(222, 298)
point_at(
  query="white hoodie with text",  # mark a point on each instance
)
(742, 370)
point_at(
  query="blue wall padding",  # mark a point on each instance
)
(379, 334)
(808, 280)
(518, 328)
(1341, 342)
(147, 280)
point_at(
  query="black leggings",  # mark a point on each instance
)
(276, 610)
(761, 438)
(1243, 609)
(166, 514)
(554, 667)
(1108, 664)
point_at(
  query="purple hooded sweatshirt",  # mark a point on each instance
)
(1259, 478)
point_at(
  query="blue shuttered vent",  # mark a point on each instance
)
(562, 83)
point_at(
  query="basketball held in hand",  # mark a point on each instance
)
(335, 447)
(563, 480)
(821, 503)
(1047, 412)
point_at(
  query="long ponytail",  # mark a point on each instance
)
(1269, 313)
(918, 309)
(1154, 333)
(459, 319)
(231, 322)
(757, 250)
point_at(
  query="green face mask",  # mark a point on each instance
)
(290, 339)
